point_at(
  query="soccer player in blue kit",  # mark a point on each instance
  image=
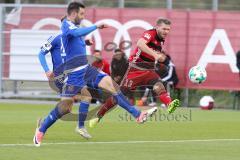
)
(54, 46)
(77, 67)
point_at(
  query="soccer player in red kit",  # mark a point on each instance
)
(141, 70)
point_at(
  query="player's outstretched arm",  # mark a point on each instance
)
(83, 31)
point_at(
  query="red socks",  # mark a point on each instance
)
(165, 98)
(109, 103)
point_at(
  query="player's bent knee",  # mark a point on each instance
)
(159, 88)
(86, 98)
(85, 95)
(65, 105)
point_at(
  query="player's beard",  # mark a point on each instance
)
(160, 36)
(77, 21)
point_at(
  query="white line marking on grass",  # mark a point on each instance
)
(122, 142)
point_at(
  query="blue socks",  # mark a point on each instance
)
(83, 111)
(53, 116)
(124, 103)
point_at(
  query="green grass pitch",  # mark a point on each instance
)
(189, 134)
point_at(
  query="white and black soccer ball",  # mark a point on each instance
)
(197, 74)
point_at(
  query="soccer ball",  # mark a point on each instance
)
(197, 74)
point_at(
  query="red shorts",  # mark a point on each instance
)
(136, 78)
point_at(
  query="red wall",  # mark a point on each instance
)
(186, 42)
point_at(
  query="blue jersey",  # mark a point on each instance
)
(74, 43)
(53, 46)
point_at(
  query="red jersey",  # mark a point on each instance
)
(102, 65)
(153, 42)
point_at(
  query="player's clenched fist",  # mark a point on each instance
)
(101, 26)
(159, 56)
(49, 75)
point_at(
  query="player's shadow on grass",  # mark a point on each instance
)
(74, 116)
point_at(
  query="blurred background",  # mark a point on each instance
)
(170, 4)
(200, 27)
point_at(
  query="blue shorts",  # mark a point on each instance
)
(93, 76)
(89, 76)
(74, 82)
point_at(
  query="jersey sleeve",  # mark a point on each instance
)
(46, 48)
(68, 28)
(43, 61)
(48, 45)
(148, 36)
